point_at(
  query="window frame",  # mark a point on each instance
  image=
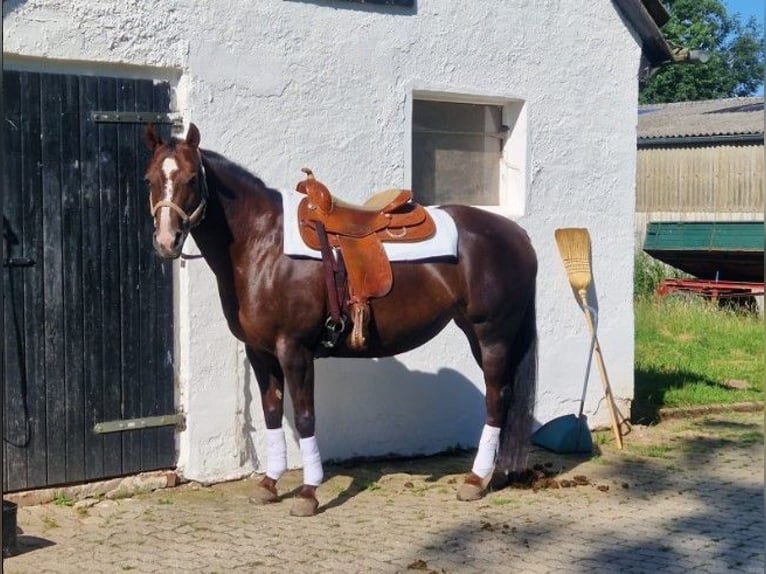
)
(514, 162)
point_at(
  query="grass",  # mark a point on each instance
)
(600, 437)
(651, 451)
(648, 273)
(371, 486)
(751, 437)
(63, 500)
(49, 522)
(686, 351)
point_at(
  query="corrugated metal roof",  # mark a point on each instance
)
(726, 117)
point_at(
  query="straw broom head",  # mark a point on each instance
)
(574, 248)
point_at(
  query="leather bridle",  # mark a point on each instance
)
(187, 221)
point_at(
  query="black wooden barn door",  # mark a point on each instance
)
(88, 307)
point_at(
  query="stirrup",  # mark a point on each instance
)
(332, 332)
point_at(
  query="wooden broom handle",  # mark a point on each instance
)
(602, 369)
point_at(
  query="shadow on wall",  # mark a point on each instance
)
(379, 407)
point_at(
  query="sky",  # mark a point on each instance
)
(747, 8)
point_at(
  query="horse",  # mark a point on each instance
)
(277, 306)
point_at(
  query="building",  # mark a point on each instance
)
(700, 161)
(548, 91)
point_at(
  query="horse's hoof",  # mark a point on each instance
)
(304, 506)
(468, 492)
(473, 487)
(263, 495)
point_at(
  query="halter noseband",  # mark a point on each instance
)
(187, 221)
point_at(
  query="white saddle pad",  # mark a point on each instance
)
(442, 244)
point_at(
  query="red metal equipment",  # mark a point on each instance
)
(710, 288)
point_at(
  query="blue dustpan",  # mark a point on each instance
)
(565, 435)
(569, 434)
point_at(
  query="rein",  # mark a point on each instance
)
(187, 221)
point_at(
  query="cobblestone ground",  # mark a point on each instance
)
(684, 496)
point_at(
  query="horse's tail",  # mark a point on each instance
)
(519, 398)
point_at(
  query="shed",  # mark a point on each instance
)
(700, 161)
(276, 85)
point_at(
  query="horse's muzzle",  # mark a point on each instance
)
(169, 248)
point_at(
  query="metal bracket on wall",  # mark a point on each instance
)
(112, 117)
(177, 420)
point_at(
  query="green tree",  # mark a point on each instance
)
(736, 51)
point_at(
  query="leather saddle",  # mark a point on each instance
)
(358, 233)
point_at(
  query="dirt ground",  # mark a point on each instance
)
(685, 495)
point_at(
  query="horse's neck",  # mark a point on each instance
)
(242, 220)
(239, 210)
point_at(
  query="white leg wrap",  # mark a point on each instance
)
(485, 457)
(312, 461)
(276, 453)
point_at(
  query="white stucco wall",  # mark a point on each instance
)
(276, 85)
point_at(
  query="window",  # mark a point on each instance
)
(469, 153)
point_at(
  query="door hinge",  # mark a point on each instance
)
(177, 420)
(19, 262)
(112, 117)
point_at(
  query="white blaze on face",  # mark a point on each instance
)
(169, 167)
(164, 234)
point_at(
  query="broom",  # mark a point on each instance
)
(574, 248)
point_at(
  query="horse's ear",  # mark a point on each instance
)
(192, 136)
(152, 138)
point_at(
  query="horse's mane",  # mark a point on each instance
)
(235, 172)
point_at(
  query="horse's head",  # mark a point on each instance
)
(177, 189)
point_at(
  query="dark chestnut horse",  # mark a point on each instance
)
(277, 305)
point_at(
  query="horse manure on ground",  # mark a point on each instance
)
(542, 477)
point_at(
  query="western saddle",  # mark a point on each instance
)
(357, 233)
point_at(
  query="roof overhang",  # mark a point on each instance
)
(646, 17)
(702, 140)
